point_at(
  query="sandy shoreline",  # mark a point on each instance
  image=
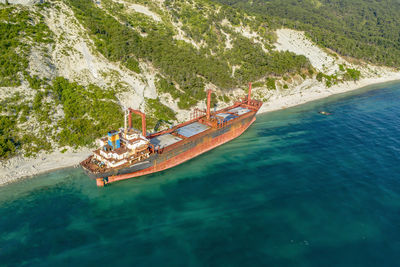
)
(20, 167)
(311, 90)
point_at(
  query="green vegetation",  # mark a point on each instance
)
(158, 111)
(226, 98)
(352, 74)
(13, 137)
(271, 83)
(167, 87)
(8, 141)
(367, 30)
(41, 108)
(329, 79)
(346, 75)
(18, 29)
(257, 84)
(90, 112)
(35, 143)
(179, 62)
(34, 82)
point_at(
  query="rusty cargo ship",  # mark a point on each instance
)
(129, 153)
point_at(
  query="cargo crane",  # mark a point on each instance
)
(128, 117)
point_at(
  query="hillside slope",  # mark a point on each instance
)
(68, 67)
(367, 30)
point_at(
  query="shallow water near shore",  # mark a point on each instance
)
(297, 189)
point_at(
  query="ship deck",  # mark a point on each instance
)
(200, 125)
(196, 126)
(165, 140)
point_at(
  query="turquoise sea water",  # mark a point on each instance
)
(297, 189)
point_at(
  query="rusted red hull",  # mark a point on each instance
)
(207, 143)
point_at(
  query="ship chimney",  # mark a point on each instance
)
(208, 103)
(249, 96)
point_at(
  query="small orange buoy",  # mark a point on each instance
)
(100, 182)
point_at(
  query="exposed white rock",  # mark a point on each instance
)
(298, 43)
(145, 10)
(248, 33)
(22, 2)
(228, 41)
(140, 9)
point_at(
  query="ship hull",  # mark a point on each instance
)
(175, 155)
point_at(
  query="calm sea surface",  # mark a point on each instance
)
(297, 189)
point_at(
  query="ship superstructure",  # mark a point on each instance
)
(129, 153)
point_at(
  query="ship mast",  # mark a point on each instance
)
(208, 103)
(126, 111)
(249, 95)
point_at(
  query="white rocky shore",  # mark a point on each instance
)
(19, 167)
(315, 91)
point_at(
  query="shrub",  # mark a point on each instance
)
(159, 110)
(8, 140)
(90, 112)
(271, 84)
(257, 84)
(352, 74)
